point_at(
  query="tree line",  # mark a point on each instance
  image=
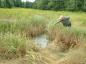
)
(14, 3)
(73, 5)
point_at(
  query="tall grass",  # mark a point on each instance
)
(74, 56)
(17, 25)
(66, 37)
(15, 31)
(33, 26)
(12, 45)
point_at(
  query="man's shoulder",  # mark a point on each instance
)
(66, 17)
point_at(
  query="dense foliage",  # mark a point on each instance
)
(61, 4)
(72, 5)
(14, 3)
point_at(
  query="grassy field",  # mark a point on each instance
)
(18, 26)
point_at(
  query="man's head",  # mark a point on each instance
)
(65, 20)
(62, 18)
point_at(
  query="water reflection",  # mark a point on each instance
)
(42, 41)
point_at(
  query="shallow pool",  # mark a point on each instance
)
(42, 41)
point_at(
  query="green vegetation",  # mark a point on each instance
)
(12, 45)
(14, 3)
(17, 30)
(70, 5)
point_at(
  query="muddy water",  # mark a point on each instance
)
(41, 41)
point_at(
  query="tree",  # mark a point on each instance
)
(74, 4)
(41, 4)
(84, 5)
(23, 4)
(56, 4)
(9, 3)
(46, 4)
(71, 5)
(80, 4)
(51, 5)
(28, 4)
(2, 3)
(18, 3)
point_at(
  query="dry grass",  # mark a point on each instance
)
(66, 38)
(12, 45)
(77, 56)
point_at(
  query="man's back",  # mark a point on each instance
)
(65, 20)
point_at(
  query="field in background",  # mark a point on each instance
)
(19, 26)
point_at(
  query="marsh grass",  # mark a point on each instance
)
(66, 37)
(74, 56)
(84, 23)
(34, 26)
(18, 25)
(12, 45)
(14, 37)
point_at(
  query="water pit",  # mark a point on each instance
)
(41, 41)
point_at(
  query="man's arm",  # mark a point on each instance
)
(57, 22)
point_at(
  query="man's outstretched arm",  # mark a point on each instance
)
(57, 22)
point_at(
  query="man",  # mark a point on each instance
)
(65, 20)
